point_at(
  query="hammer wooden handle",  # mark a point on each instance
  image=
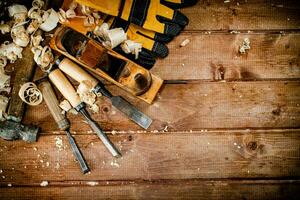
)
(76, 72)
(53, 105)
(65, 87)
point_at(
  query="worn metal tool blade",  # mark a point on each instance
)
(133, 113)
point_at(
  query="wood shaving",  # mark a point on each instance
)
(245, 46)
(132, 47)
(185, 42)
(50, 20)
(43, 57)
(87, 96)
(36, 13)
(36, 40)
(18, 12)
(30, 94)
(19, 35)
(44, 183)
(3, 106)
(38, 3)
(4, 28)
(33, 27)
(59, 143)
(114, 163)
(3, 62)
(92, 183)
(111, 38)
(11, 51)
(4, 79)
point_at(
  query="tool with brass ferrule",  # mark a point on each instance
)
(77, 73)
(61, 120)
(67, 90)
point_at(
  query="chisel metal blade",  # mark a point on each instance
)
(133, 113)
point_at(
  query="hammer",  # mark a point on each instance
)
(12, 129)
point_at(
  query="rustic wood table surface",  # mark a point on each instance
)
(225, 124)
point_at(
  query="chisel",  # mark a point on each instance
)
(62, 122)
(68, 91)
(77, 73)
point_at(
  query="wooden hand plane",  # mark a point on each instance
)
(106, 63)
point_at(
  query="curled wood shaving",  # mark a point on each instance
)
(38, 3)
(4, 28)
(4, 79)
(87, 96)
(3, 62)
(130, 46)
(36, 13)
(62, 16)
(3, 106)
(18, 12)
(36, 40)
(11, 51)
(111, 38)
(89, 20)
(33, 26)
(30, 94)
(50, 20)
(245, 46)
(70, 13)
(43, 57)
(85, 10)
(19, 35)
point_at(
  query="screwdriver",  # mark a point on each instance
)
(62, 122)
(77, 73)
(67, 90)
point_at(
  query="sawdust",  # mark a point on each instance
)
(59, 143)
(185, 42)
(114, 163)
(245, 46)
(92, 183)
(44, 183)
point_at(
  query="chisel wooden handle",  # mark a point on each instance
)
(53, 105)
(65, 87)
(76, 72)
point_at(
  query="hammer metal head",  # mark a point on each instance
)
(10, 130)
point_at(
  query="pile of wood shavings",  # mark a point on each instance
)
(245, 46)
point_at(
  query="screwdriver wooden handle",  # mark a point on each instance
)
(76, 72)
(53, 105)
(65, 87)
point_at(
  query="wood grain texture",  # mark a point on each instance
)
(218, 190)
(196, 106)
(244, 15)
(216, 57)
(183, 155)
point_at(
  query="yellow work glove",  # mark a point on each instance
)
(149, 14)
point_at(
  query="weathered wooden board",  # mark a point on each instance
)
(196, 106)
(176, 190)
(216, 57)
(244, 15)
(183, 155)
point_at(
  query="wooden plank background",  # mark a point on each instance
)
(225, 125)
